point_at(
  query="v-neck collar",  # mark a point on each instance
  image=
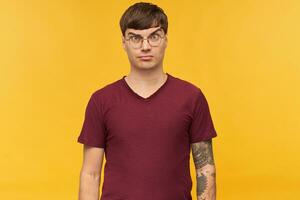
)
(153, 94)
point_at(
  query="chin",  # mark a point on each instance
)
(145, 65)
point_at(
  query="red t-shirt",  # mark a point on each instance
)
(147, 140)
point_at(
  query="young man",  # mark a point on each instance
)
(147, 123)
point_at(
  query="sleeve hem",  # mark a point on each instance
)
(90, 143)
(199, 139)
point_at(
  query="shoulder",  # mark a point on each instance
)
(188, 88)
(190, 93)
(106, 92)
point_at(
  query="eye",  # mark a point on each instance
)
(154, 37)
(135, 39)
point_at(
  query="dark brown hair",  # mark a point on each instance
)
(143, 15)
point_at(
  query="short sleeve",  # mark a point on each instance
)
(201, 127)
(93, 131)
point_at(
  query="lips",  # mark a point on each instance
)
(146, 57)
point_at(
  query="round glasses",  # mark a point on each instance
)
(136, 41)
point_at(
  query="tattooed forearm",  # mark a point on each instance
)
(201, 184)
(205, 170)
(202, 153)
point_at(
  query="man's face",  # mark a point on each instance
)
(135, 51)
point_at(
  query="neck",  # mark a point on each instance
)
(146, 77)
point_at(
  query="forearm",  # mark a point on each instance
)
(205, 170)
(206, 183)
(89, 186)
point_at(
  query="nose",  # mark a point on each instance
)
(145, 44)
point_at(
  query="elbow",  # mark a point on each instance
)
(90, 174)
(207, 168)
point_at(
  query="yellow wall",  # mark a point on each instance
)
(243, 54)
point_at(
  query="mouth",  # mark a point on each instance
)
(145, 58)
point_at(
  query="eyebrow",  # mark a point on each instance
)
(141, 35)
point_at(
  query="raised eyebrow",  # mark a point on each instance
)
(160, 29)
(131, 33)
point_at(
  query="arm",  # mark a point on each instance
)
(90, 173)
(205, 170)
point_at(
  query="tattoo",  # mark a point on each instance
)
(201, 184)
(202, 153)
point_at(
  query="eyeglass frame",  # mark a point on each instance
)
(142, 41)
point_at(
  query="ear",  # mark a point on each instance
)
(166, 40)
(123, 42)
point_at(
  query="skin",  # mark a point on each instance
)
(205, 169)
(90, 173)
(145, 77)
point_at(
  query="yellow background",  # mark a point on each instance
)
(244, 55)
